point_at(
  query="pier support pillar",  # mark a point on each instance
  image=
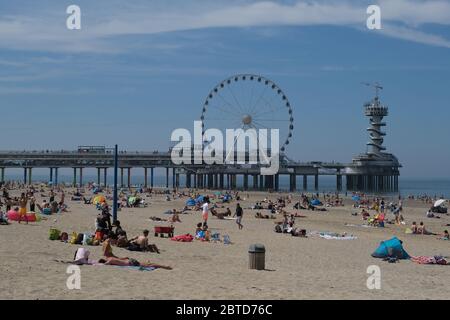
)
(261, 182)
(188, 180)
(277, 182)
(56, 176)
(151, 177)
(174, 183)
(121, 178)
(24, 175)
(51, 175)
(145, 177)
(129, 178)
(74, 181)
(2, 175)
(81, 177)
(105, 177)
(339, 182)
(221, 182)
(292, 183)
(255, 182)
(99, 174)
(30, 175)
(316, 182)
(305, 182)
(177, 180)
(245, 182)
(167, 177)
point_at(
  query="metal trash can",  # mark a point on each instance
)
(257, 257)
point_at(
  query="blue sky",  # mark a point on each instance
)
(139, 69)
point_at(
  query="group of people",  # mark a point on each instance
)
(27, 202)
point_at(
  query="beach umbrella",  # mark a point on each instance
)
(200, 199)
(99, 199)
(316, 202)
(356, 198)
(190, 202)
(439, 203)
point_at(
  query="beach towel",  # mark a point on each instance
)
(430, 260)
(183, 238)
(358, 225)
(137, 268)
(337, 237)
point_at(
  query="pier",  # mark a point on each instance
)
(374, 171)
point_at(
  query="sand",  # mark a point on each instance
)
(297, 268)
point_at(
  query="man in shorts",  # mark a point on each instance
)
(23, 201)
(239, 214)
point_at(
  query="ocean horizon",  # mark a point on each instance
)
(439, 187)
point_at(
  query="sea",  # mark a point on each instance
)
(439, 187)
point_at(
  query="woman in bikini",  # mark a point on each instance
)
(131, 262)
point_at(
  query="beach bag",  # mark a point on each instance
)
(99, 236)
(226, 239)
(47, 211)
(278, 229)
(54, 234)
(64, 236)
(73, 238)
(79, 239)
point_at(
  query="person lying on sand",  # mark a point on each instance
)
(157, 219)
(140, 243)
(131, 262)
(259, 215)
(296, 232)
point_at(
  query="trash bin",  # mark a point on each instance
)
(257, 257)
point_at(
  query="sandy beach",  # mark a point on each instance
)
(297, 268)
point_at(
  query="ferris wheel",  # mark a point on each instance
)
(248, 101)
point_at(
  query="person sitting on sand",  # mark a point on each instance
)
(140, 243)
(3, 219)
(118, 228)
(131, 262)
(175, 217)
(414, 228)
(444, 236)
(422, 230)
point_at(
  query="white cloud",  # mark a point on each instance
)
(45, 30)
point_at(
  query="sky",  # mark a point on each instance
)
(137, 70)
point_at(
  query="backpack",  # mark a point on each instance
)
(73, 238)
(54, 234)
(64, 236)
(278, 229)
(79, 239)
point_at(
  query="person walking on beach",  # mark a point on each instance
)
(23, 208)
(32, 203)
(239, 214)
(205, 208)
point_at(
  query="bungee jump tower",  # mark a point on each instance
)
(375, 170)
